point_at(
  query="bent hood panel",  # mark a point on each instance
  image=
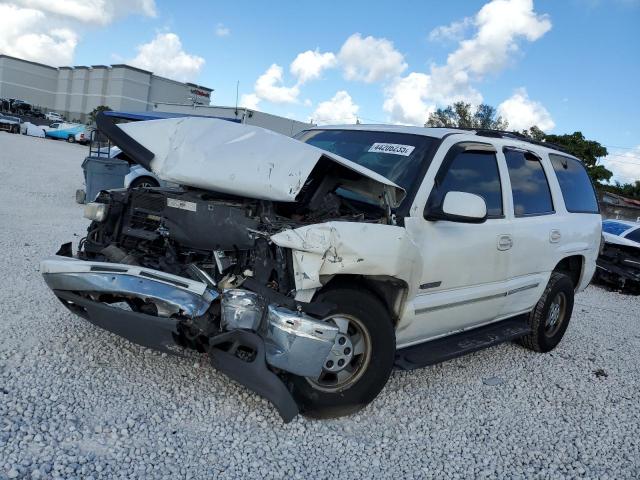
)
(241, 159)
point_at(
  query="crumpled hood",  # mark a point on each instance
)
(244, 160)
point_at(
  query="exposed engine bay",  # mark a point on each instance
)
(229, 263)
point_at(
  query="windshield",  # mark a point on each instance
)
(396, 156)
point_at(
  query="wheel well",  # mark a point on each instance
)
(391, 291)
(572, 267)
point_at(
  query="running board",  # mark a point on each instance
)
(443, 349)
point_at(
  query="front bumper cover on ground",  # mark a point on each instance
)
(287, 340)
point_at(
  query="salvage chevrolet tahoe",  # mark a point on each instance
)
(308, 268)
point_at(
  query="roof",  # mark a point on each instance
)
(441, 132)
(426, 131)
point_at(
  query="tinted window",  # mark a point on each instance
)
(475, 172)
(575, 184)
(634, 236)
(396, 156)
(614, 228)
(531, 194)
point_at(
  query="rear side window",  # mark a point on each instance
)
(577, 190)
(475, 172)
(531, 194)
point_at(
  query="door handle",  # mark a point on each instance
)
(505, 242)
(555, 236)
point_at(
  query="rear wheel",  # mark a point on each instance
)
(360, 362)
(15, 129)
(550, 317)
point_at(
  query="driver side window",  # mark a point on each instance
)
(475, 172)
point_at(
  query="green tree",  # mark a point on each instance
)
(461, 115)
(94, 113)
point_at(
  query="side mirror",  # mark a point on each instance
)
(460, 207)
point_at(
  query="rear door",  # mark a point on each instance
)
(536, 229)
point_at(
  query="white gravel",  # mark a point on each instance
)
(78, 402)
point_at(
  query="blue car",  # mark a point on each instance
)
(71, 132)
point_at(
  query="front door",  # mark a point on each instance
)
(465, 265)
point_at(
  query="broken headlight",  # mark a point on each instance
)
(242, 309)
(96, 211)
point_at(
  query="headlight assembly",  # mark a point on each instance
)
(96, 211)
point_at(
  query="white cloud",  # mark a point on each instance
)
(269, 86)
(453, 31)
(406, 97)
(250, 101)
(370, 59)
(522, 113)
(222, 31)
(90, 11)
(340, 109)
(625, 165)
(310, 64)
(25, 33)
(499, 26)
(47, 32)
(164, 56)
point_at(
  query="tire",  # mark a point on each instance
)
(144, 182)
(71, 139)
(550, 317)
(327, 396)
(15, 129)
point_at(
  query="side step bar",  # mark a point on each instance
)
(443, 349)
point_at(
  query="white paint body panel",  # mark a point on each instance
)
(240, 159)
(459, 276)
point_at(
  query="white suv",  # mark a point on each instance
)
(308, 268)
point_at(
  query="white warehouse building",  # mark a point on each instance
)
(76, 91)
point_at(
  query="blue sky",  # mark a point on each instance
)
(565, 65)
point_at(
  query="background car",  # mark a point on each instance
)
(9, 124)
(71, 132)
(54, 117)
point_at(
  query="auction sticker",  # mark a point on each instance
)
(392, 148)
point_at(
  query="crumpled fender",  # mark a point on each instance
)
(333, 248)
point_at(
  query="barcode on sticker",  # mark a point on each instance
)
(392, 148)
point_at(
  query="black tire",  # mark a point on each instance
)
(15, 129)
(71, 139)
(144, 182)
(546, 333)
(313, 399)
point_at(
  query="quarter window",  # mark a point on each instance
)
(475, 172)
(531, 194)
(576, 187)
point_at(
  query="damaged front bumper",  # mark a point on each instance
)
(255, 336)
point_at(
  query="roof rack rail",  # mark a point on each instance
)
(488, 132)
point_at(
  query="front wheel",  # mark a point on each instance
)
(550, 317)
(71, 139)
(144, 182)
(360, 362)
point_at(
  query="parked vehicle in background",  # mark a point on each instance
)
(37, 113)
(9, 124)
(138, 176)
(19, 106)
(619, 260)
(71, 132)
(31, 129)
(54, 117)
(307, 268)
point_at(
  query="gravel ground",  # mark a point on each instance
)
(78, 402)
